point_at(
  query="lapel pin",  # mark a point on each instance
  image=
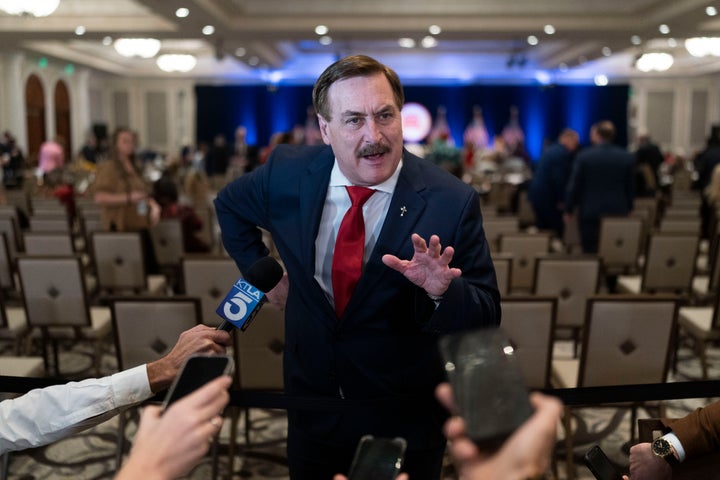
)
(403, 210)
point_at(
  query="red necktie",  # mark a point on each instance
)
(349, 249)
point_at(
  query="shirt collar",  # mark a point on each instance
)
(337, 179)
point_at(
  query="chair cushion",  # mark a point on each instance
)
(22, 366)
(565, 372)
(698, 322)
(629, 283)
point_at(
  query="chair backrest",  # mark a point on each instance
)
(48, 243)
(209, 278)
(649, 206)
(503, 271)
(524, 247)
(259, 351)
(670, 262)
(49, 224)
(9, 226)
(621, 241)
(53, 291)
(627, 339)
(118, 260)
(681, 224)
(497, 226)
(572, 280)
(167, 240)
(530, 325)
(7, 279)
(147, 328)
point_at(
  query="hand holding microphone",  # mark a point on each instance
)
(247, 295)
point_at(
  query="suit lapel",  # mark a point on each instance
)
(313, 190)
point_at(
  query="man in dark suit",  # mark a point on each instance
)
(602, 183)
(690, 437)
(380, 355)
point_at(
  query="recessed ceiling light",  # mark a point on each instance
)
(635, 40)
(606, 51)
(672, 43)
(80, 30)
(601, 80)
(532, 40)
(563, 67)
(182, 12)
(321, 30)
(711, 11)
(549, 29)
(434, 29)
(208, 30)
(240, 52)
(325, 40)
(253, 61)
(107, 41)
(664, 29)
(406, 42)
(429, 42)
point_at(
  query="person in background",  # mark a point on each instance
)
(12, 161)
(649, 157)
(165, 192)
(704, 165)
(45, 415)
(124, 196)
(602, 182)
(51, 155)
(547, 186)
(169, 444)
(372, 340)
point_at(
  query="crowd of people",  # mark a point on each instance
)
(384, 253)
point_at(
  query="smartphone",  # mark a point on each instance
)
(377, 458)
(488, 385)
(196, 372)
(600, 465)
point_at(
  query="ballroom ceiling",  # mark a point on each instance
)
(275, 40)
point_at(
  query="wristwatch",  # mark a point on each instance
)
(664, 449)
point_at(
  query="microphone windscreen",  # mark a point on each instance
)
(264, 274)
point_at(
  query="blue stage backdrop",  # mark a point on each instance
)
(543, 110)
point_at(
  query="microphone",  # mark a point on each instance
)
(247, 295)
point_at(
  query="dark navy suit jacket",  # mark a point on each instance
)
(385, 346)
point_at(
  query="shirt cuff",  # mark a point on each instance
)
(131, 386)
(675, 442)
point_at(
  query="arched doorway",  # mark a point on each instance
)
(62, 117)
(35, 117)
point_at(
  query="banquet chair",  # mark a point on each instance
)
(48, 243)
(705, 286)
(9, 226)
(681, 224)
(503, 268)
(529, 322)
(50, 224)
(669, 265)
(572, 279)
(524, 247)
(620, 244)
(146, 329)
(701, 326)
(7, 275)
(56, 303)
(120, 266)
(496, 226)
(167, 242)
(209, 278)
(13, 326)
(627, 339)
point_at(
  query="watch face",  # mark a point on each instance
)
(661, 447)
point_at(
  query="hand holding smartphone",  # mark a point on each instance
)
(377, 458)
(488, 385)
(196, 372)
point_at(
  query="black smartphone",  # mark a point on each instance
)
(600, 465)
(377, 458)
(488, 385)
(196, 372)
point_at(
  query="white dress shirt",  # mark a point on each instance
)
(45, 415)
(337, 203)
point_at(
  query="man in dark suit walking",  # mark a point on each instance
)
(602, 183)
(374, 345)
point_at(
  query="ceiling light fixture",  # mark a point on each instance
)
(80, 30)
(429, 42)
(208, 30)
(711, 11)
(33, 8)
(325, 40)
(322, 30)
(434, 29)
(635, 40)
(532, 40)
(672, 43)
(654, 61)
(664, 29)
(606, 51)
(182, 12)
(601, 80)
(703, 46)
(176, 62)
(406, 42)
(549, 29)
(137, 47)
(240, 52)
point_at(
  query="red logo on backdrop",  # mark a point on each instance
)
(416, 121)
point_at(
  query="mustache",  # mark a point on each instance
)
(373, 149)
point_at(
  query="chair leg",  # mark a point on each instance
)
(5, 464)
(703, 358)
(569, 457)
(122, 423)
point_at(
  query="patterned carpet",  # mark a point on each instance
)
(91, 454)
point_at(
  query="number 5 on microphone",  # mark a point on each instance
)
(241, 304)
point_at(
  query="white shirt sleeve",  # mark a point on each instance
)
(675, 442)
(45, 415)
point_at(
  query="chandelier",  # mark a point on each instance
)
(176, 62)
(703, 46)
(658, 61)
(137, 47)
(34, 8)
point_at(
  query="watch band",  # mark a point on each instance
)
(664, 449)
